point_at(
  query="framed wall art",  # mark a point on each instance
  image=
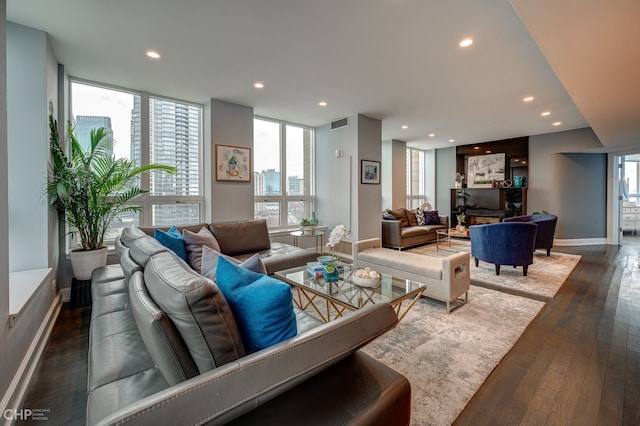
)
(482, 170)
(370, 172)
(233, 163)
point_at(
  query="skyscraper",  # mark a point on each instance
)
(86, 123)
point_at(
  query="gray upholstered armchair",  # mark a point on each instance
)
(504, 243)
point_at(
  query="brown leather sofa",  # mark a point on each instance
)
(146, 363)
(401, 234)
(241, 239)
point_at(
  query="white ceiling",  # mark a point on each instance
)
(396, 60)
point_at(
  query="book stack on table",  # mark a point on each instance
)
(314, 269)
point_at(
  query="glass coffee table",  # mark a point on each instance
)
(330, 300)
(447, 234)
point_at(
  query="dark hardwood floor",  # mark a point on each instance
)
(578, 362)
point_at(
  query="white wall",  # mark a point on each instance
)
(445, 172)
(27, 82)
(230, 124)
(394, 182)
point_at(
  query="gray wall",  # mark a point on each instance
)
(566, 181)
(394, 185)
(230, 124)
(342, 199)
(6, 360)
(445, 174)
(31, 71)
(27, 54)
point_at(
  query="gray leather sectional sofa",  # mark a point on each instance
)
(179, 364)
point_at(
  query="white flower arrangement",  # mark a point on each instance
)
(337, 234)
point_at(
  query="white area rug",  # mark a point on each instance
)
(543, 280)
(448, 357)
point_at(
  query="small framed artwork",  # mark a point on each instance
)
(233, 163)
(370, 172)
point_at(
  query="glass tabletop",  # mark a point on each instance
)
(391, 289)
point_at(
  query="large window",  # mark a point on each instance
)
(283, 172)
(148, 129)
(415, 178)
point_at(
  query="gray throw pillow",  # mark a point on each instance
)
(210, 263)
(193, 243)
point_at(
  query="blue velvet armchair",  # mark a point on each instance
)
(546, 228)
(504, 243)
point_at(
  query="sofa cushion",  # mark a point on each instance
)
(282, 256)
(210, 263)
(242, 237)
(129, 235)
(143, 248)
(193, 243)
(431, 217)
(262, 306)
(400, 215)
(197, 308)
(172, 239)
(420, 217)
(166, 347)
(411, 217)
(128, 265)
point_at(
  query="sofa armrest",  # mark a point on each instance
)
(456, 270)
(222, 394)
(444, 220)
(359, 246)
(391, 233)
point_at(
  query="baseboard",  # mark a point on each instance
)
(579, 242)
(65, 293)
(16, 392)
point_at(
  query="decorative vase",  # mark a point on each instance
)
(331, 277)
(83, 262)
(460, 228)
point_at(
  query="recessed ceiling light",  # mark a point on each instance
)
(405, 127)
(476, 147)
(258, 85)
(323, 103)
(557, 123)
(488, 151)
(152, 54)
(528, 99)
(432, 135)
(466, 42)
(524, 162)
(452, 140)
(546, 113)
(516, 160)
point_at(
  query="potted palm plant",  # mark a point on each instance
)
(91, 189)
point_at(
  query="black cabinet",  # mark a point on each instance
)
(487, 205)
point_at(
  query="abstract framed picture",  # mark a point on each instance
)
(483, 170)
(233, 163)
(370, 172)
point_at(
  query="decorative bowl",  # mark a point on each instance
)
(366, 282)
(324, 259)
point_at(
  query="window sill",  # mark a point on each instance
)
(22, 286)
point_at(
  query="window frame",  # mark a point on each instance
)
(146, 201)
(410, 197)
(284, 199)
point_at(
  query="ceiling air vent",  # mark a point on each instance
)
(338, 124)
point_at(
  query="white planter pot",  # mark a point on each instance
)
(308, 230)
(84, 262)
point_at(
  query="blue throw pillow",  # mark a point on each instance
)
(172, 239)
(431, 217)
(261, 305)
